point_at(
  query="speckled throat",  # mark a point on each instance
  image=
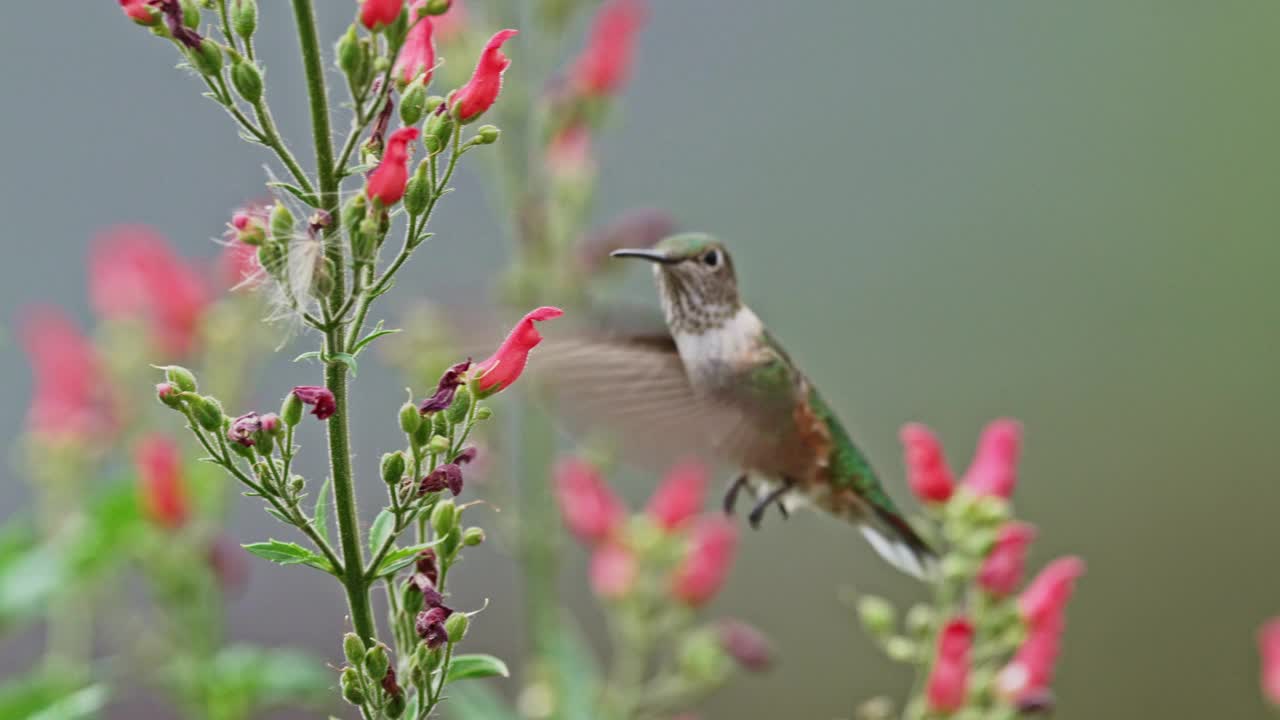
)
(696, 304)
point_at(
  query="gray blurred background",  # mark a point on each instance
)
(1063, 212)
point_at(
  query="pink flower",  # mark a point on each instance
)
(68, 397)
(1029, 675)
(452, 23)
(418, 54)
(139, 11)
(238, 265)
(707, 562)
(680, 495)
(387, 181)
(481, 92)
(1047, 596)
(134, 274)
(376, 14)
(949, 680)
(994, 470)
(319, 398)
(498, 371)
(1269, 649)
(1001, 572)
(159, 465)
(568, 154)
(927, 472)
(603, 67)
(613, 571)
(591, 511)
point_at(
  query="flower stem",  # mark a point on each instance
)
(335, 376)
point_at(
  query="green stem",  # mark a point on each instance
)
(335, 374)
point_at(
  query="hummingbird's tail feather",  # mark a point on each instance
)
(899, 544)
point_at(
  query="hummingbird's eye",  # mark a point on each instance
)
(712, 258)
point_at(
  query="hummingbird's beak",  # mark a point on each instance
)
(650, 255)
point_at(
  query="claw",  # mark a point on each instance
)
(731, 496)
(757, 512)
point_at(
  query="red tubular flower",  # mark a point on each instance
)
(320, 398)
(949, 680)
(591, 511)
(994, 470)
(140, 11)
(706, 564)
(927, 472)
(376, 14)
(388, 180)
(1269, 650)
(418, 54)
(603, 67)
(1047, 596)
(159, 465)
(1028, 677)
(680, 495)
(1001, 572)
(481, 91)
(135, 274)
(613, 571)
(68, 399)
(498, 371)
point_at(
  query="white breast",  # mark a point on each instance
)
(704, 354)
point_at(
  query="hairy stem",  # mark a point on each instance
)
(335, 374)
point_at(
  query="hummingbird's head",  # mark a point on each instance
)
(695, 279)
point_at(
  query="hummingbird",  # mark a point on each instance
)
(716, 383)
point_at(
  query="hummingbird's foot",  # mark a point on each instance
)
(757, 512)
(731, 496)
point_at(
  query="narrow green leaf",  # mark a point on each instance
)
(383, 526)
(313, 355)
(321, 513)
(346, 359)
(577, 673)
(401, 558)
(474, 701)
(470, 667)
(376, 333)
(283, 553)
(295, 191)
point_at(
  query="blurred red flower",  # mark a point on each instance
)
(613, 571)
(707, 562)
(591, 510)
(679, 497)
(375, 14)
(1046, 597)
(604, 64)
(69, 399)
(418, 54)
(1269, 649)
(994, 470)
(949, 680)
(1001, 572)
(927, 472)
(159, 465)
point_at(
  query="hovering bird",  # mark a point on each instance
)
(717, 382)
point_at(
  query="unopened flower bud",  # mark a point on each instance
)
(444, 517)
(282, 223)
(291, 410)
(745, 644)
(434, 658)
(451, 543)
(376, 662)
(956, 568)
(409, 418)
(395, 706)
(208, 413)
(440, 425)
(484, 412)
(701, 658)
(422, 435)
(418, 192)
(169, 395)
(190, 14)
(248, 81)
(353, 648)
(900, 649)
(487, 135)
(207, 59)
(456, 626)
(244, 17)
(181, 378)
(438, 444)
(457, 412)
(878, 616)
(473, 536)
(438, 131)
(438, 7)
(413, 104)
(920, 620)
(392, 467)
(350, 53)
(350, 683)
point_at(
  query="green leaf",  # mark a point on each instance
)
(470, 667)
(261, 677)
(401, 558)
(296, 192)
(313, 355)
(383, 526)
(321, 513)
(283, 553)
(41, 696)
(346, 359)
(376, 333)
(474, 701)
(577, 673)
